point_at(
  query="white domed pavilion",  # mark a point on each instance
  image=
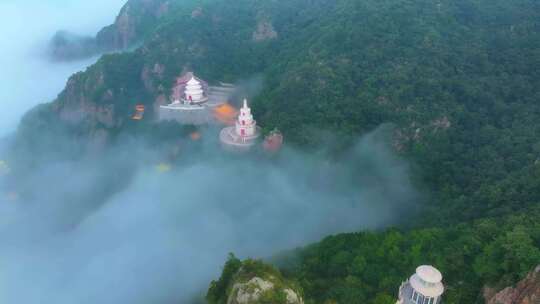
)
(193, 100)
(244, 134)
(194, 93)
(423, 287)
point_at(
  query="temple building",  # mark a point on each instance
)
(273, 141)
(139, 112)
(244, 134)
(193, 101)
(194, 93)
(423, 287)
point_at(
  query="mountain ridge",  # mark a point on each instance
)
(458, 80)
(372, 83)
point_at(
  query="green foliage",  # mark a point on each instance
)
(458, 79)
(273, 297)
(383, 298)
(238, 272)
(369, 267)
(217, 293)
(256, 268)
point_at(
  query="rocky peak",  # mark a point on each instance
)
(265, 31)
(131, 24)
(252, 282)
(135, 19)
(255, 289)
(526, 291)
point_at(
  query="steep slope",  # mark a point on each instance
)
(252, 282)
(527, 291)
(458, 79)
(136, 19)
(368, 267)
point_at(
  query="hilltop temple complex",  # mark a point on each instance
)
(423, 287)
(244, 134)
(194, 101)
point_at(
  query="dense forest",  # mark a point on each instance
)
(367, 267)
(457, 80)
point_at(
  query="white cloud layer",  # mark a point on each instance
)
(27, 78)
(161, 237)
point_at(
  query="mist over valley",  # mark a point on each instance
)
(257, 152)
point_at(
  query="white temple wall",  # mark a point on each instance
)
(187, 117)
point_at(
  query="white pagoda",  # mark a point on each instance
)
(246, 127)
(244, 134)
(423, 287)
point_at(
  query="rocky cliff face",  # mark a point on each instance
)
(103, 98)
(135, 20)
(252, 282)
(257, 289)
(76, 103)
(265, 31)
(526, 291)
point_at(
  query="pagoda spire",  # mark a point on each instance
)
(245, 132)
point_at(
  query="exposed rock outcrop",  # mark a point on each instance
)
(151, 73)
(136, 18)
(526, 291)
(197, 12)
(265, 31)
(255, 289)
(442, 123)
(76, 106)
(252, 282)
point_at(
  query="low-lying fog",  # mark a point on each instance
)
(165, 234)
(92, 231)
(26, 76)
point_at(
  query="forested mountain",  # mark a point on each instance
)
(458, 81)
(366, 267)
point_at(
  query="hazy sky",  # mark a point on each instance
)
(26, 78)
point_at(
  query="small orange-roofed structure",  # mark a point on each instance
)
(273, 141)
(226, 114)
(195, 136)
(139, 112)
